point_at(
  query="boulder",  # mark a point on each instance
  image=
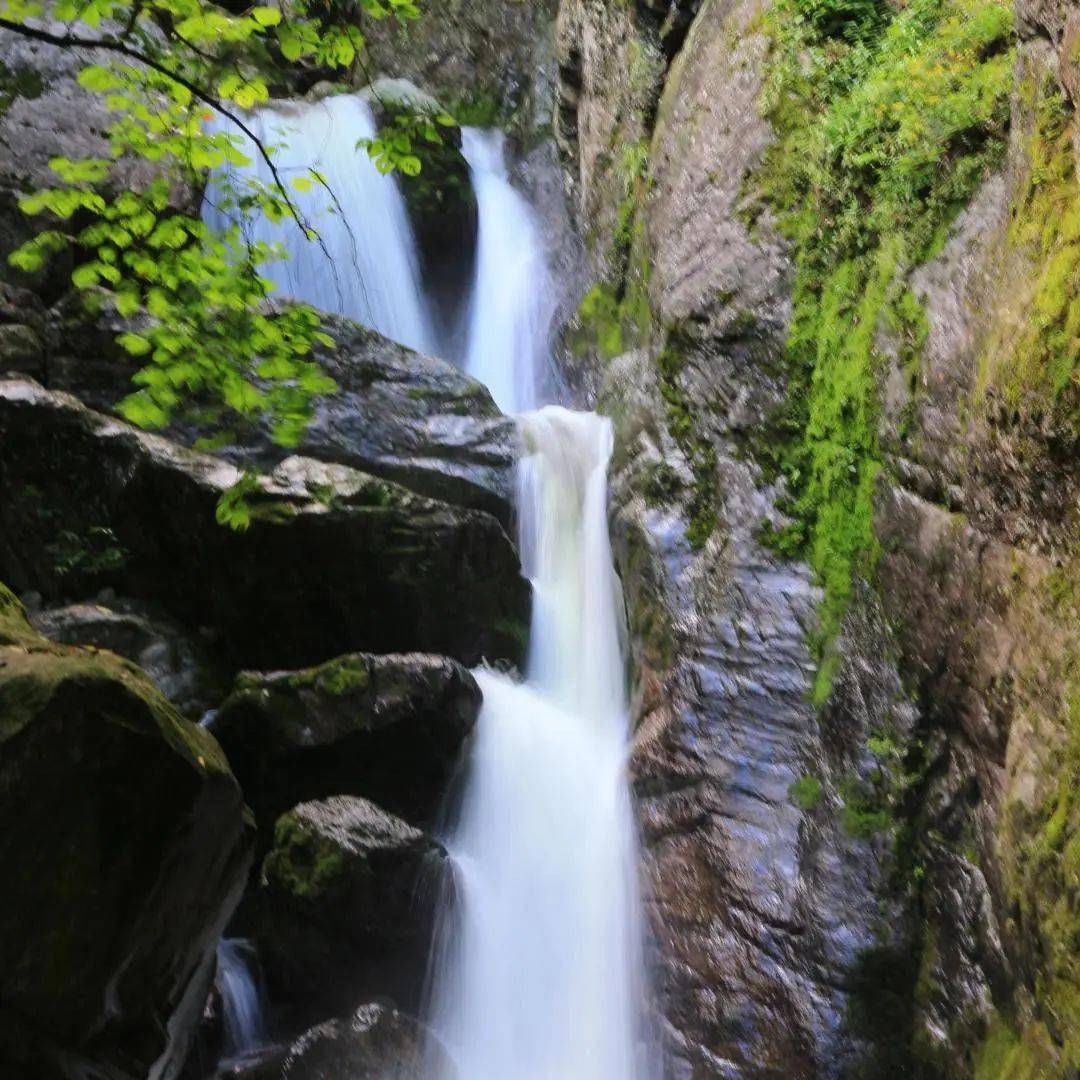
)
(333, 560)
(178, 664)
(45, 113)
(387, 727)
(410, 418)
(375, 1043)
(399, 415)
(125, 844)
(346, 909)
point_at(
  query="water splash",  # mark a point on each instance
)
(541, 973)
(511, 309)
(364, 263)
(242, 1004)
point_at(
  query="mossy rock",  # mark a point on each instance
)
(388, 728)
(347, 907)
(126, 843)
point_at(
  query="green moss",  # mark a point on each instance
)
(864, 813)
(661, 484)
(15, 628)
(19, 83)
(1004, 1055)
(343, 675)
(805, 792)
(1033, 358)
(304, 864)
(703, 505)
(883, 135)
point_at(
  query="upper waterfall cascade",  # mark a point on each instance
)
(364, 263)
(510, 313)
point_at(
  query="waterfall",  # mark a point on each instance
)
(364, 263)
(241, 999)
(511, 310)
(539, 971)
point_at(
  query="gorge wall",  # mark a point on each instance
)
(822, 265)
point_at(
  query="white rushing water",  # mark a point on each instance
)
(510, 313)
(540, 972)
(364, 263)
(241, 1000)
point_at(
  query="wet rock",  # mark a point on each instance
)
(45, 113)
(126, 846)
(710, 269)
(485, 59)
(441, 204)
(347, 908)
(413, 419)
(387, 727)
(375, 1043)
(334, 559)
(178, 665)
(397, 414)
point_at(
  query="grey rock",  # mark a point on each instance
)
(334, 559)
(127, 846)
(386, 727)
(178, 665)
(376, 1043)
(347, 909)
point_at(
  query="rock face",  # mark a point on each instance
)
(45, 113)
(375, 1043)
(877, 885)
(335, 559)
(126, 846)
(178, 665)
(347, 908)
(760, 905)
(483, 58)
(412, 419)
(387, 727)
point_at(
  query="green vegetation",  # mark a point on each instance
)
(1004, 1055)
(213, 346)
(93, 553)
(303, 863)
(1041, 846)
(805, 792)
(703, 505)
(887, 119)
(1034, 356)
(19, 83)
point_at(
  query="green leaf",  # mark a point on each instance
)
(135, 344)
(266, 16)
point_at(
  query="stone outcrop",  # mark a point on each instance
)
(485, 60)
(386, 727)
(375, 1043)
(179, 666)
(347, 908)
(334, 559)
(126, 843)
(760, 905)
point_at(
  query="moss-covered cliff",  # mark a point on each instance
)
(846, 259)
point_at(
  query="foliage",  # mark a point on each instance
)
(396, 144)
(213, 345)
(883, 136)
(805, 792)
(1034, 356)
(97, 551)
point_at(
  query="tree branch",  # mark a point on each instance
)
(69, 40)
